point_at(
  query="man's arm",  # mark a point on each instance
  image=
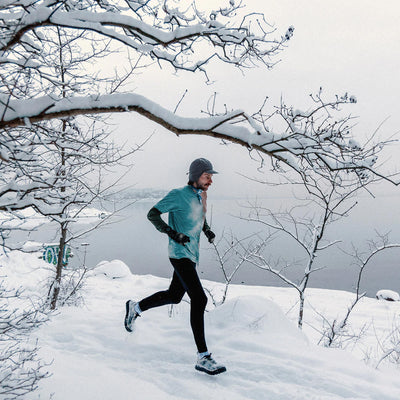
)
(154, 216)
(208, 232)
(205, 226)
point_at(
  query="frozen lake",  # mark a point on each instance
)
(132, 239)
(135, 241)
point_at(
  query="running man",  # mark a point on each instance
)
(187, 208)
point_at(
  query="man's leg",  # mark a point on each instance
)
(173, 295)
(185, 279)
(185, 269)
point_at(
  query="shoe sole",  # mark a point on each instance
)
(129, 329)
(215, 372)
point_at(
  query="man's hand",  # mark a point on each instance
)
(180, 238)
(210, 235)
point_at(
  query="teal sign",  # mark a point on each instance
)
(50, 254)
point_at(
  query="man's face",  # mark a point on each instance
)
(204, 182)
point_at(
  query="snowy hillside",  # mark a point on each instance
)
(267, 357)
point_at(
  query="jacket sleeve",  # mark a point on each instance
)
(154, 216)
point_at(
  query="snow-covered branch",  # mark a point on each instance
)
(298, 149)
(155, 28)
(187, 37)
(329, 201)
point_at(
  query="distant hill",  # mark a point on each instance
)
(138, 194)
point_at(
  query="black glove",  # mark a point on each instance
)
(178, 237)
(210, 235)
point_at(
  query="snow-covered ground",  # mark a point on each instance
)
(253, 333)
(29, 219)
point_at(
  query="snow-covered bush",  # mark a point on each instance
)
(390, 346)
(114, 269)
(389, 295)
(70, 289)
(20, 367)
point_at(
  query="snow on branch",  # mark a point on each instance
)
(313, 141)
(307, 143)
(155, 29)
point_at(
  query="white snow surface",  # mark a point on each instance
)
(253, 333)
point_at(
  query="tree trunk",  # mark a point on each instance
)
(57, 280)
(301, 310)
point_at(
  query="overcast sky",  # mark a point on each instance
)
(343, 46)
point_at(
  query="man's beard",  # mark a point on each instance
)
(202, 187)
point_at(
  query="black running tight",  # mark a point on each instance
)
(185, 279)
